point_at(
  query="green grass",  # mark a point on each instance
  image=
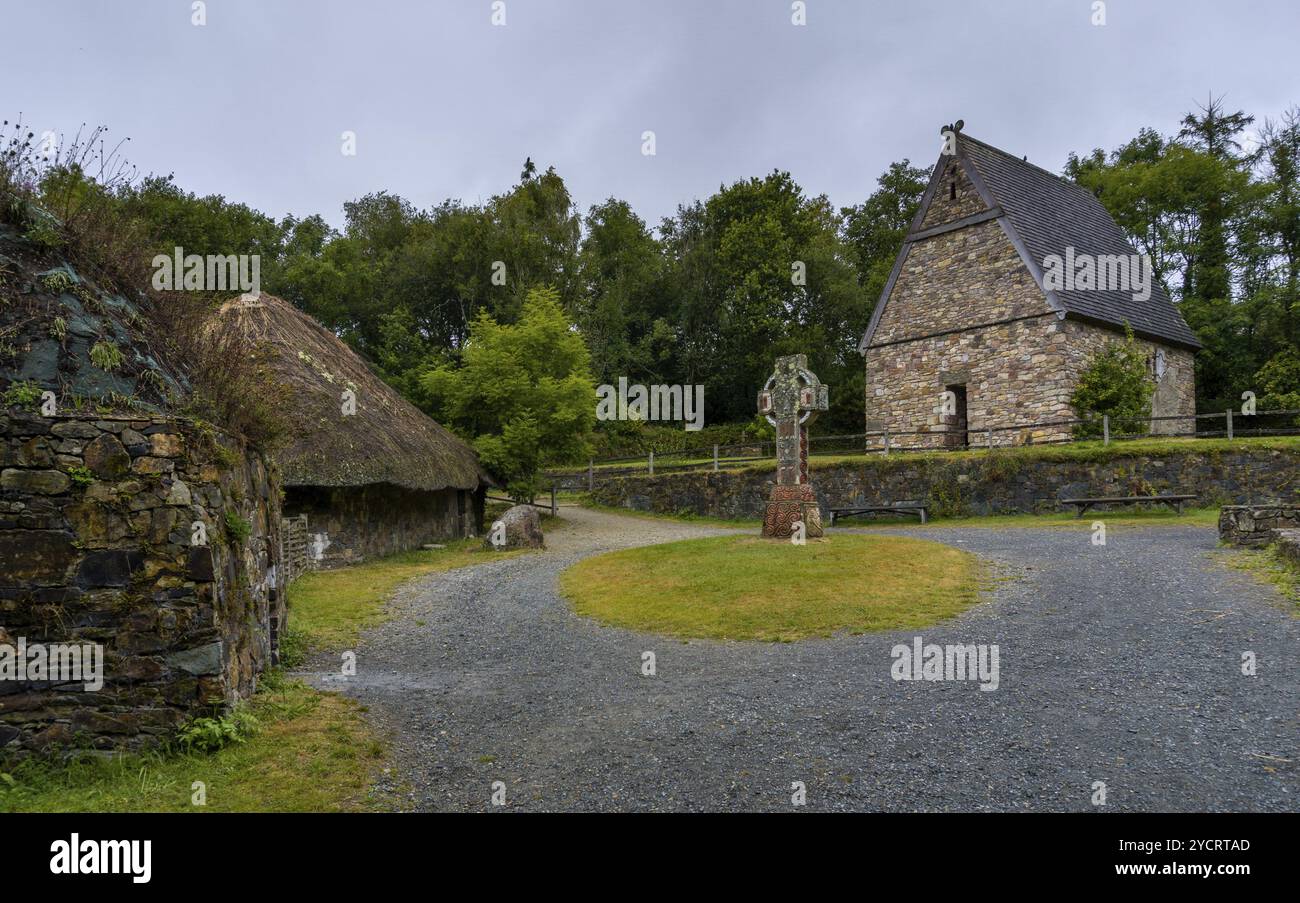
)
(749, 588)
(330, 609)
(1268, 566)
(686, 517)
(313, 752)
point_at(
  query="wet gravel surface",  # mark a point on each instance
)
(1119, 664)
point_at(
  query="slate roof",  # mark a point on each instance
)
(1045, 213)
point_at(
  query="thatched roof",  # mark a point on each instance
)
(387, 440)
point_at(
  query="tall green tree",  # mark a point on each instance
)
(621, 303)
(1185, 202)
(874, 230)
(762, 272)
(521, 392)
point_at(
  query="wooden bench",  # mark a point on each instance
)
(909, 507)
(1173, 501)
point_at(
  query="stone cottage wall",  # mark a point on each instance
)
(350, 524)
(99, 520)
(1002, 483)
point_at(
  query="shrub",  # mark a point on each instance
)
(57, 282)
(522, 392)
(1115, 383)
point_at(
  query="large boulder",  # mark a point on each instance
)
(519, 528)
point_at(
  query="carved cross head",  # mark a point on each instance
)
(792, 392)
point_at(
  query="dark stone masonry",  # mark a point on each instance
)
(977, 484)
(1258, 525)
(153, 537)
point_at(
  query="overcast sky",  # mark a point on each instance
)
(445, 104)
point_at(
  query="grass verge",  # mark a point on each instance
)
(749, 588)
(1269, 567)
(330, 609)
(312, 752)
(1154, 516)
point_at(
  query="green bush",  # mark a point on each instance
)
(1116, 382)
(57, 282)
(522, 392)
(635, 438)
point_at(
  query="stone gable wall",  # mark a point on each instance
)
(97, 520)
(956, 280)
(943, 209)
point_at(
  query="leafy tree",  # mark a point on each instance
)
(1115, 382)
(1185, 202)
(522, 392)
(621, 307)
(1279, 382)
(758, 271)
(535, 233)
(874, 230)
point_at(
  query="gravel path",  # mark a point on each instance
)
(1118, 664)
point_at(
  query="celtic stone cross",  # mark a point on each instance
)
(791, 400)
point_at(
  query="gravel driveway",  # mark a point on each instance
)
(1119, 664)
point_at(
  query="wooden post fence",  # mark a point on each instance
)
(1105, 429)
(294, 555)
(1228, 418)
(715, 457)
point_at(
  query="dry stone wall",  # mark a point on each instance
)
(975, 484)
(155, 538)
(1256, 525)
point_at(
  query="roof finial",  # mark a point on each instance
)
(953, 127)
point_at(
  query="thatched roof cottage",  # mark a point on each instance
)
(372, 473)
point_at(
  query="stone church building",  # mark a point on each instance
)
(975, 305)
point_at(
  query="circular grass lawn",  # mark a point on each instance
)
(749, 588)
